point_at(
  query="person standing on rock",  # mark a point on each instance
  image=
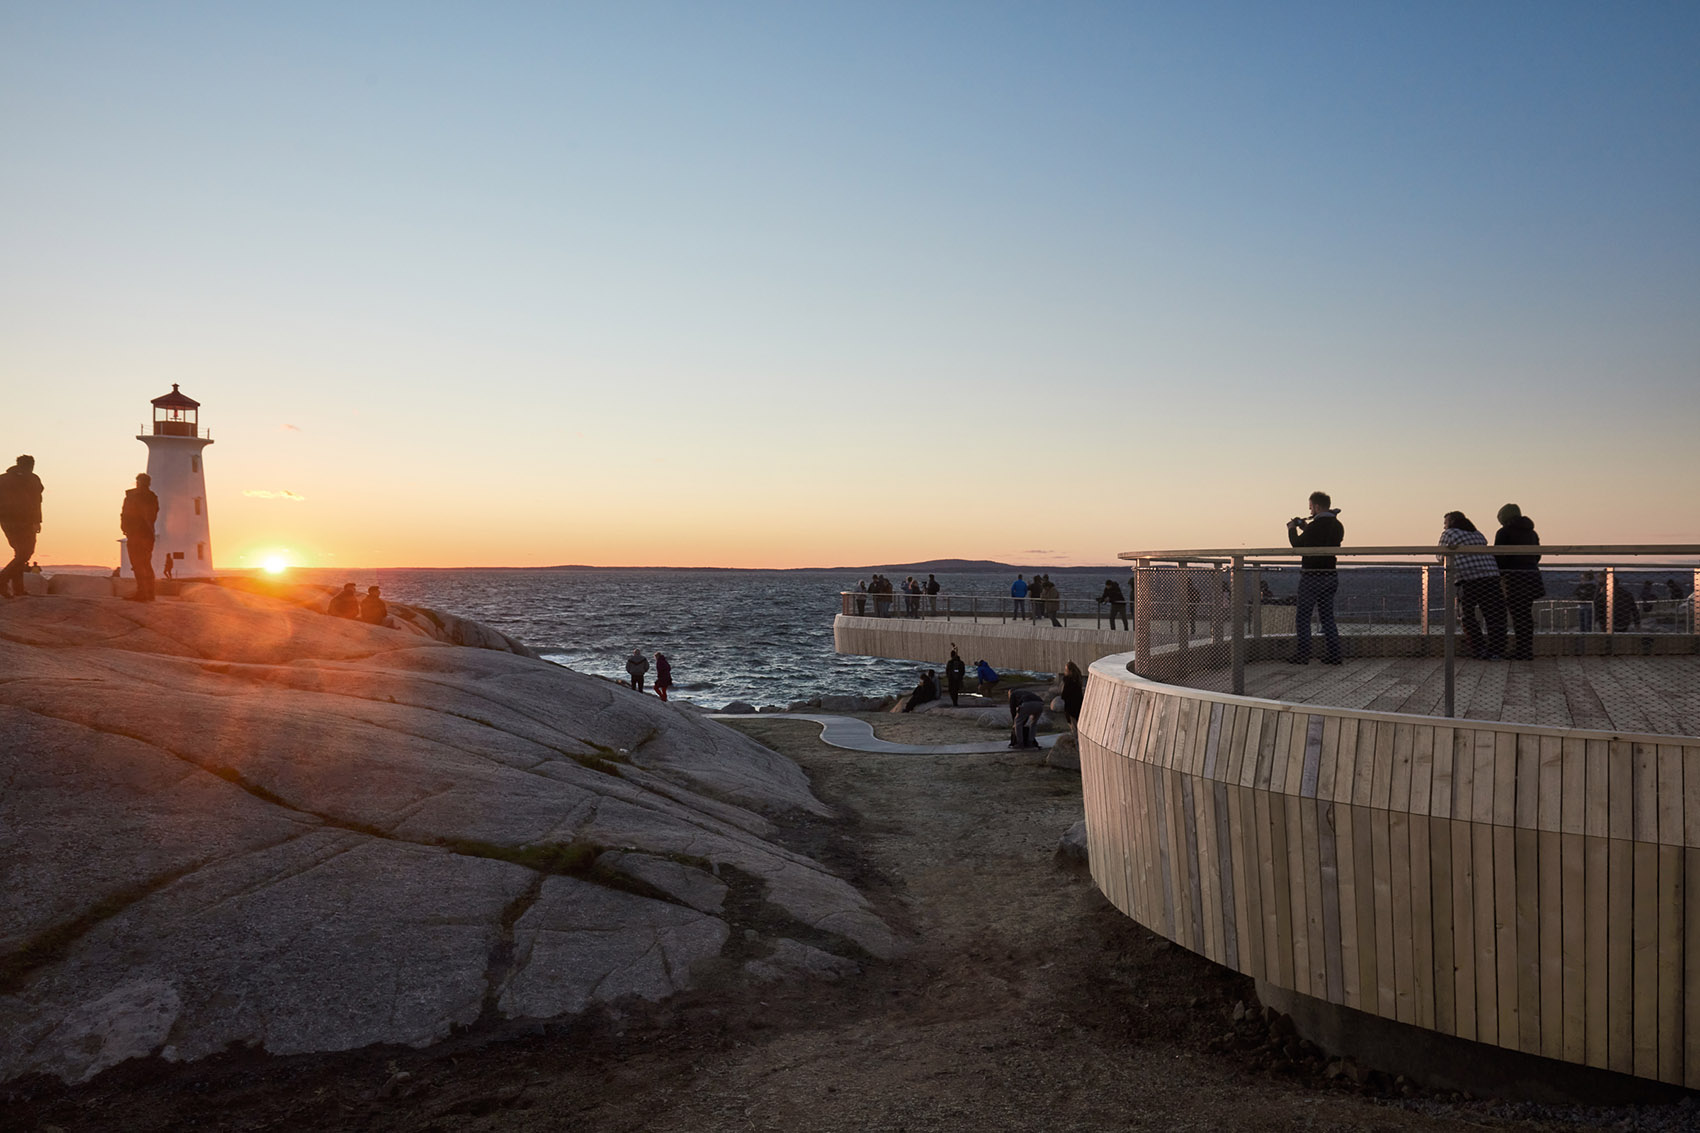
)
(20, 519)
(136, 520)
(663, 674)
(954, 671)
(636, 666)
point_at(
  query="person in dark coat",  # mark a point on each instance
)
(20, 519)
(926, 689)
(1318, 578)
(136, 520)
(636, 666)
(345, 603)
(1520, 576)
(663, 674)
(1025, 708)
(1118, 603)
(954, 671)
(1625, 614)
(1073, 693)
(373, 608)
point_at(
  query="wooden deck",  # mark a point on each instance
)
(1659, 695)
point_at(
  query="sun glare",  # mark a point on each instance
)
(275, 564)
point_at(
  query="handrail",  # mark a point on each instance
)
(1418, 549)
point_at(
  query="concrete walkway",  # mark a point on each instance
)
(858, 735)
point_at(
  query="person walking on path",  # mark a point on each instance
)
(663, 674)
(1118, 603)
(345, 603)
(1318, 578)
(1073, 694)
(636, 666)
(373, 609)
(1018, 592)
(954, 671)
(136, 519)
(1521, 576)
(20, 519)
(1478, 588)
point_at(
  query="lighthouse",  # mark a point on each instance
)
(180, 481)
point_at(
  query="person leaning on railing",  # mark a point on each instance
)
(1521, 577)
(1478, 588)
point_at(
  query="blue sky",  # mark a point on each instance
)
(789, 284)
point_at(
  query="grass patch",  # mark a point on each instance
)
(569, 859)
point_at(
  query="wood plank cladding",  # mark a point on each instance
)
(1524, 887)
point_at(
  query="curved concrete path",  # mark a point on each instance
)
(858, 735)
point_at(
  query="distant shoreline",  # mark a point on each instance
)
(935, 566)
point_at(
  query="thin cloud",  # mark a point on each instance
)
(264, 494)
(290, 428)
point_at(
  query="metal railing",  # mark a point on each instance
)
(1067, 613)
(1210, 618)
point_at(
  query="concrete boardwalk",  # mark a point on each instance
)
(858, 735)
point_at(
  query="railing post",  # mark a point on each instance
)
(1216, 603)
(1451, 623)
(1257, 603)
(1694, 604)
(1611, 602)
(1236, 605)
(1425, 573)
(1141, 612)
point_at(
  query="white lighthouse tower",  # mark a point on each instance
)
(180, 482)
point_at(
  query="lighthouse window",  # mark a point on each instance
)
(195, 466)
(197, 505)
(200, 550)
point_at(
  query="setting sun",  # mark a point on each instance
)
(275, 564)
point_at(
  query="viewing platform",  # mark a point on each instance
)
(1491, 851)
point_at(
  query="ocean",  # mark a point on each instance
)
(761, 636)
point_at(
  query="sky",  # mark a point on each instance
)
(780, 285)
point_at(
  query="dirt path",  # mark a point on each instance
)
(1026, 1002)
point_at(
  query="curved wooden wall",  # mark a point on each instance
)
(1519, 886)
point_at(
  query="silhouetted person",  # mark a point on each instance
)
(954, 671)
(1118, 603)
(345, 603)
(166, 571)
(636, 666)
(986, 675)
(861, 598)
(20, 519)
(932, 591)
(1051, 601)
(1318, 578)
(136, 520)
(1025, 708)
(1625, 614)
(1073, 693)
(1675, 590)
(1521, 577)
(373, 608)
(926, 689)
(1476, 579)
(663, 674)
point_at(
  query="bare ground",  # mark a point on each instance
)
(1026, 1001)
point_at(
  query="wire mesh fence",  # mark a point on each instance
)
(1571, 643)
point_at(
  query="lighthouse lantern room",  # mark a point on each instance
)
(175, 446)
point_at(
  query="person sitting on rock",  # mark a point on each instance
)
(1025, 708)
(373, 608)
(345, 603)
(927, 688)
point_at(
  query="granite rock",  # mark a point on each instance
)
(228, 818)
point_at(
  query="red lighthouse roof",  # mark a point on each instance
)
(175, 400)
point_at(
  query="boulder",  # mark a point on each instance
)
(1065, 753)
(228, 818)
(1071, 850)
(80, 585)
(739, 708)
